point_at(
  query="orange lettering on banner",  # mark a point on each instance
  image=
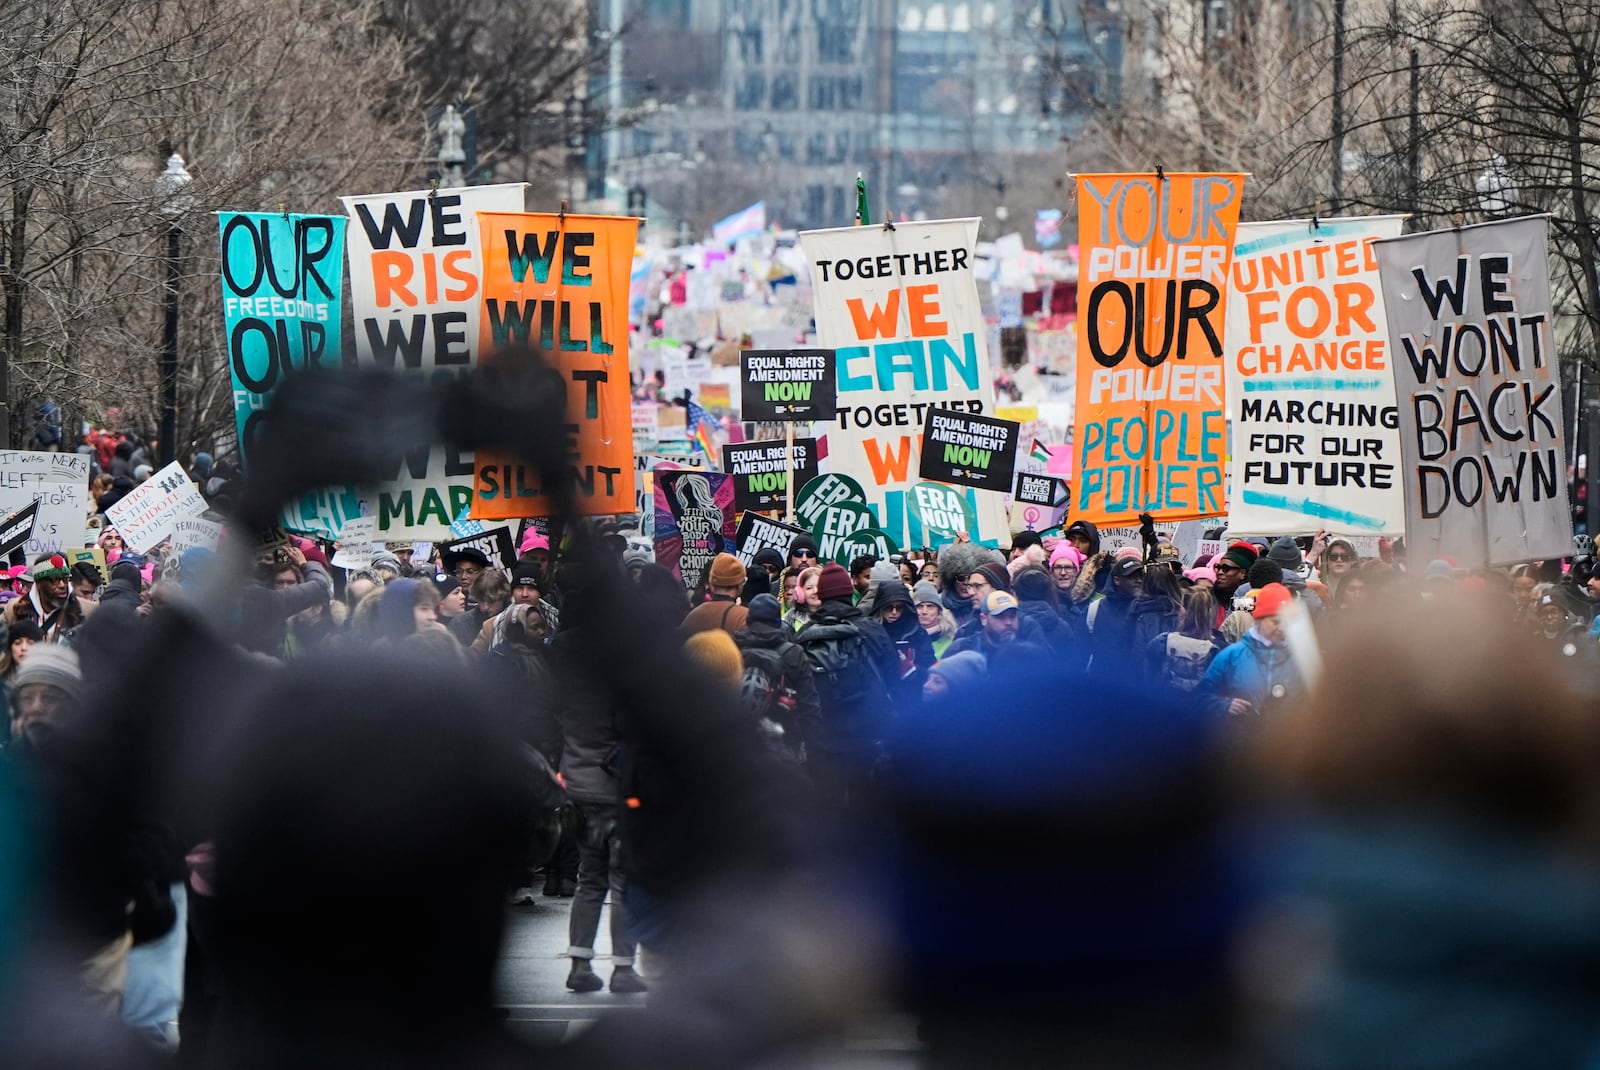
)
(560, 284)
(888, 467)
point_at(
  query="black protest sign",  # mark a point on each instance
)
(18, 529)
(1048, 491)
(976, 451)
(787, 385)
(760, 472)
(757, 533)
(493, 543)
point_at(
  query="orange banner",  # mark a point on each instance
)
(560, 285)
(1153, 256)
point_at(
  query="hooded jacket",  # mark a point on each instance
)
(803, 717)
(913, 647)
(1251, 669)
(1088, 531)
(856, 731)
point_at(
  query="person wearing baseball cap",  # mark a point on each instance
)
(1110, 619)
(1254, 675)
(721, 609)
(999, 616)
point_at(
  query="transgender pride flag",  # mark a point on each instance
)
(745, 224)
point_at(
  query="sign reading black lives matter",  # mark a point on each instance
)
(1034, 489)
(759, 472)
(976, 451)
(788, 385)
(1474, 363)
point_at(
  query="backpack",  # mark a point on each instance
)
(763, 684)
(841, 663)
(1186, 662)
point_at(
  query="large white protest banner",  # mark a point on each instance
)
(59, 482)
(151, 511)
(1480, 401)
(1316, 440)
(415, 295)
(900, 308)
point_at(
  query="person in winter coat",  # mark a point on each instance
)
(957, 561)
(934, 618)
(1084, 537)
(50, 603)
(1232, 569)
(987, 578)
(724, 584)
(1254, 676)
(770, 654)
(893, 608)
(1037, 599)
(803, 599)
(958, 678)
(1159, 605)
(1178, 659)
(1110, 619)
(999, 639)
(854, 663)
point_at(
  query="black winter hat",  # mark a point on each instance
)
(765, 608)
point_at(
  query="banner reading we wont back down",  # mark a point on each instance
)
(1154, 252)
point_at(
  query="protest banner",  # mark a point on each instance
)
(282, 276)
(645, 438)
(694, 522)
(150, 511)
(415, 304)
(188, 534)
(900, 309)
(787, 385)
(1316, 440)
(830, 488)
(762, 470)
(974, 451)
(93, 556)
(757, 533)
(560, 283)
(1039, 502)
(644, 484)
(17, 529)
(356, 543)
(1153, 253)
(940, 513)
(1480, 401)
(494, 543)
(59, 483)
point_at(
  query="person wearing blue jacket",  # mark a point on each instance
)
(1254, 675)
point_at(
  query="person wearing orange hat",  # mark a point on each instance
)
(1256, 674)
(721, 609)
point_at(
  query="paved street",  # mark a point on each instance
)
(532, 988)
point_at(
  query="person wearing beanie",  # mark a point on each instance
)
(1233, 570)
(803, 552)
(50, 602)
(452, 599)
(1262, 573)
(778, 687)
(769, 561)
(47, 687)
(1021, 541)
(883, 572)
(1066, 562)
(892, 607)
(1040, 602)
(1254, 676)
(717, 655)
(956, 678)
(933, 617)
(19, 642)
(724, 584)
(855, 662)
(1203, 577)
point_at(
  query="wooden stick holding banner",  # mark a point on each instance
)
(788, 472)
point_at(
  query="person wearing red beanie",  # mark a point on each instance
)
(1254, 676)
(835, 584)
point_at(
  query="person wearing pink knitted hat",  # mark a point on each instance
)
(1066, 561)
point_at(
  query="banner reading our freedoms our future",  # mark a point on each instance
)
(559, 283)
(1154, 253)
(415, 302)
(1316, 441)
(282, 279)
(901, 309)
(1480, 401)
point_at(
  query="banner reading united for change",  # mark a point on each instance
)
(900, 308)
(1474, 363)
(560, 284)
(1150, 432)
(282, 279)
(415, 297)
(1316, 440)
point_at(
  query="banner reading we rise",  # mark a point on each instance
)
(1153, 252)
(900, 308)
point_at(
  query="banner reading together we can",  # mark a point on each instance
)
(1154, 251)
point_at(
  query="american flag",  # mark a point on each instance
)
(701, 426)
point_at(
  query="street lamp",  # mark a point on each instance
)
(174, 198)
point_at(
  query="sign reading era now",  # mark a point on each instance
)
(415, 300)
(559, 283)
(1154, 253)
(787, 385)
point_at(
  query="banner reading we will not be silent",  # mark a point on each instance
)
(900, 308)
(560, 283)
(1154, 252)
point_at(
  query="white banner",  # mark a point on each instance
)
(901, 309)
(1480, 400)
(59, 482)
(151, 511)
(415, 292)
(1316, 444)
